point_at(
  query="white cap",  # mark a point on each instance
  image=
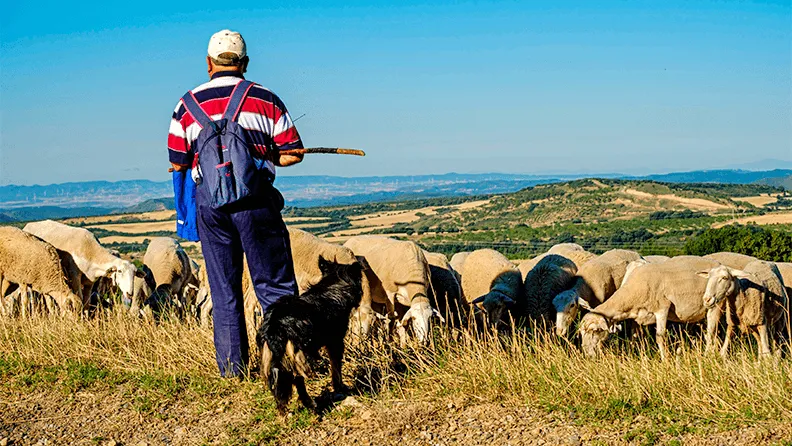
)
(227, 41)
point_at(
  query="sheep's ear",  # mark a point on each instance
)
(584, 304)
(407, 316)
(479, 300)
(439, 316)
(705, 274)
(140, 273)
(740, 274)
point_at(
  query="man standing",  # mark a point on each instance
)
(253, 224)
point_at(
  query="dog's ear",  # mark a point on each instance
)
(363, 262)
(325, 266)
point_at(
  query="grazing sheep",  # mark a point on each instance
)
(397, 273)
(596, 281)
(571, 251)
(457, 260)
(561, 248)
(306, 250)
(655, 294)
(93, 260)
(30, 262)
(492, 283)
(639, 263)
(552, 275)
(170, 266)
(731, 259)
(786, 274)
(143, 289)
(755, 296)
(445, 293)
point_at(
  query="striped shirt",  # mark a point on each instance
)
(263, 116)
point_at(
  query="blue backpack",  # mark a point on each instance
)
(229, 171)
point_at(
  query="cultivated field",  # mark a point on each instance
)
(117, 379)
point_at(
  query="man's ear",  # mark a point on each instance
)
(243, 64)
(209, 64)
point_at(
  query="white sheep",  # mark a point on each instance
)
(492, 283)
(30, 262)
(755, 296)
(655, 294)
(458, 260)
(786, 274)
(397, 273)
(93, 260)
(306, 249)
(596, 281)
(639, 263)
(731, 259)
(171, 266)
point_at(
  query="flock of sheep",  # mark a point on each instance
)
(52, 267)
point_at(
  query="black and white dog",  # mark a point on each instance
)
(294, 328)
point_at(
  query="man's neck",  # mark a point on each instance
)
(224, 73)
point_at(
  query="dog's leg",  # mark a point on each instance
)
(335, 350)
(281, 382)
(302, 393)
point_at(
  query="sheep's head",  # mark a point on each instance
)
(594, 330)
(123, 276)
(567, 305)
(722, 283)
(420, 316)
(494, 304)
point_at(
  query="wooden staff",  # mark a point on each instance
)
(327, 150)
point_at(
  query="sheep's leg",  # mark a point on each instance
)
(713, 317)
(661, 319)
(764, 341)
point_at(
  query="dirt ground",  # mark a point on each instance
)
(109, 418)
(758, 200)
(698, 204)
(767, 219)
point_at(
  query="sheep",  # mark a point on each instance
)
(639, 263)
(93, 260)
(596, 281)
(28, 261)
(552, 275)
(655, 294)
(143, 289)
(397, 272)
(731, 259)
(445, 293)
(306, 249)
(754, 295)
(571, 251)
(171, 266)
(457, 260)
(786, 274)
(492, 283)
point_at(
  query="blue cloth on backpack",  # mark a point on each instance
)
(184, 199)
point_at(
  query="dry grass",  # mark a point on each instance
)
(774, 218)
(549, 375)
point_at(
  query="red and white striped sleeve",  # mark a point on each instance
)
(178, 148)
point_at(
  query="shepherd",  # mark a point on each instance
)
(225, 140)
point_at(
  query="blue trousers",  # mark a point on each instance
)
(253, 226)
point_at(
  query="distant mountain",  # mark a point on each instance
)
(154, 204)
(102, 197)
(45, 212)
(785, 182)
(717, 176)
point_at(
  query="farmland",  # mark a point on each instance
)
(113, 378)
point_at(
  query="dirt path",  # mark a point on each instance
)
(114, 417)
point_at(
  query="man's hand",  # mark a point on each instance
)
(179, 167)
(288, 160)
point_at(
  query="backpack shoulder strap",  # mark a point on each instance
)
(195, 110)
(237, 98)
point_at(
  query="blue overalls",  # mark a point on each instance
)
(252, 226)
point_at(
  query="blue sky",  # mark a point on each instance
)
(86, 91)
